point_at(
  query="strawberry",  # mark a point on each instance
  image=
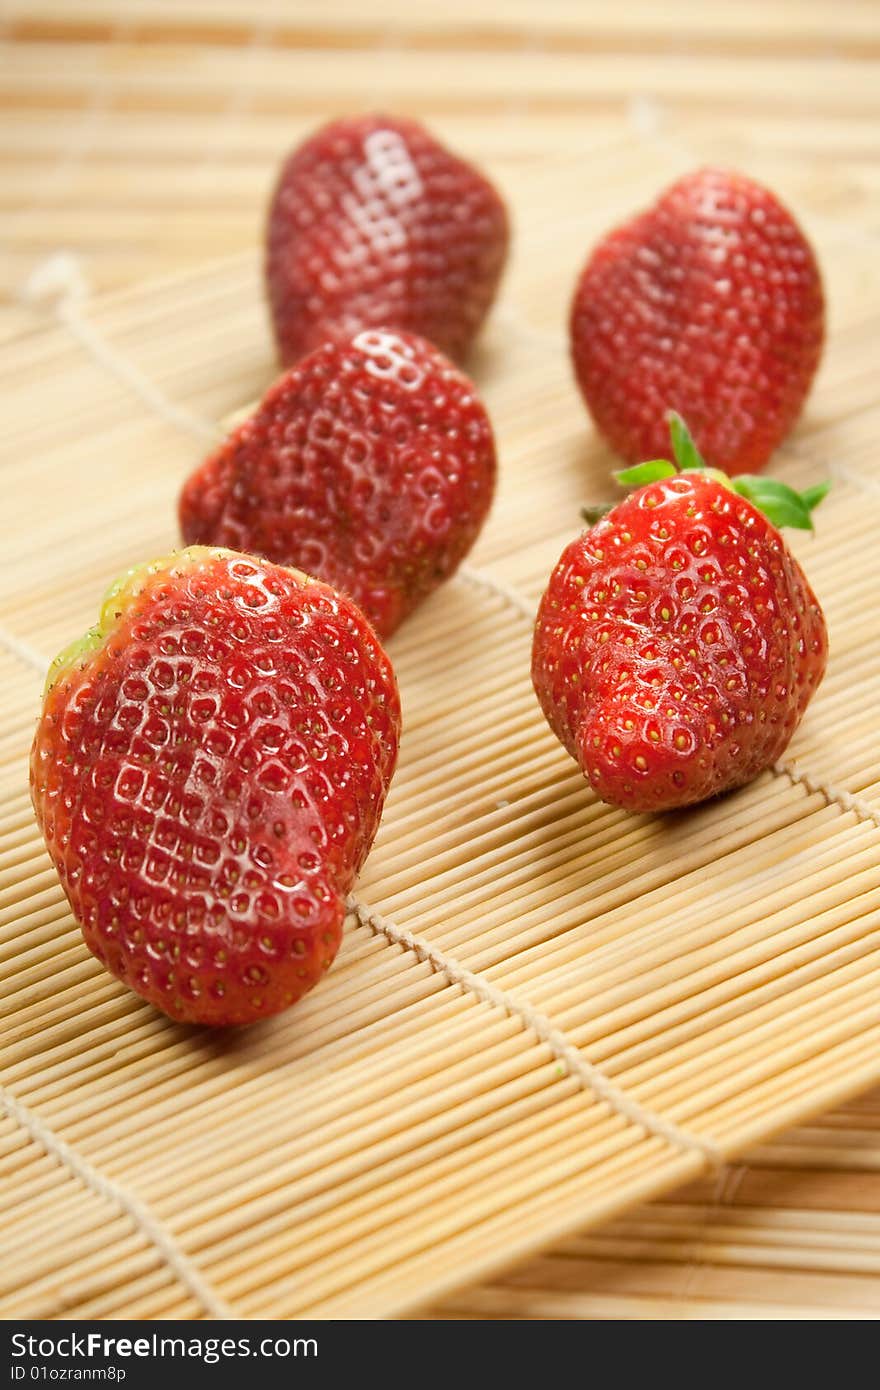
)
(710, 300)
(679, 642)
(208, 772)
(374, 223)
(371, 464)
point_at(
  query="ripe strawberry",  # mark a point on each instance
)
(374, 223)
(679, 642)
(208, 772)
(711, 301)
(371, 464)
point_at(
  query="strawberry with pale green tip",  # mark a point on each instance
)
(679, 643)
(208, 771)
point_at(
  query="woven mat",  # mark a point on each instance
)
(549, 1011)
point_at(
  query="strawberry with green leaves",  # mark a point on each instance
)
(679, 643)
(208, 771)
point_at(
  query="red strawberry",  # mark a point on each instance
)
(374, 223)
(208, 772)
(711, 301)
(371, 463)
(679, 642)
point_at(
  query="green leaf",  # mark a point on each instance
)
(643, 473)
(812, 496)
(687, 455)
(779, 502)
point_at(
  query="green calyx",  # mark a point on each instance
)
(780, 503)
(118, 598)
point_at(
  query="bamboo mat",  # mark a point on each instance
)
(553, 1010)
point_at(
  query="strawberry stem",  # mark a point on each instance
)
(687, 455)
(781, 504)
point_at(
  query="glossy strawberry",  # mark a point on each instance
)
(679, 642)
(374, 223)
(208, 771)
(709, 302)
(371, 464)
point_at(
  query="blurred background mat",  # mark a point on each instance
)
(396, 1137)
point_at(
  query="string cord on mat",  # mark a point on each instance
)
(590, 1077)
(834, 796)
(59, 284)
(124, 1200)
